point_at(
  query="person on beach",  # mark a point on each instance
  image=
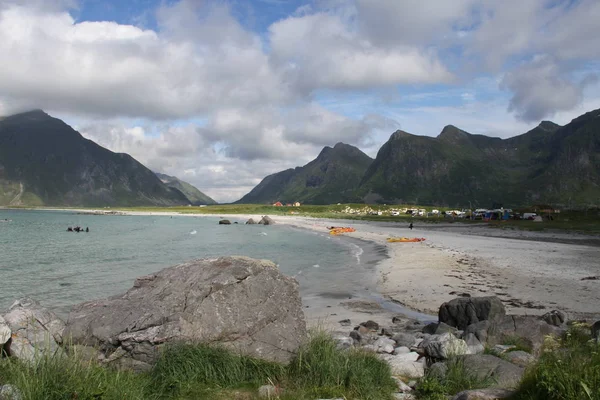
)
(410, 226)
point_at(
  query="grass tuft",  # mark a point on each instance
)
(72, 378)
(568, 369)
(196, 371)
(320, 369)
(438, 385)
(187, 369)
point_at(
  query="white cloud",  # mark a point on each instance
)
(540, 89)
(322, 50)
(107, 69)
(263, 97)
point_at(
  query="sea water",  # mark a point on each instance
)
(41, 260)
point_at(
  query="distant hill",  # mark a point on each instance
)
(550, 164)
(44, 161)
(330, 178)
(195, 196)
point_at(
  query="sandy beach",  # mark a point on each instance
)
(531, 272)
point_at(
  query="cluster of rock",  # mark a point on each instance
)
(265, 220)
(466, 327)
(238, 302)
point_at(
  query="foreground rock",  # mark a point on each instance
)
(10, 392)
(464, 311)
(242, 303)
(484, 394)
(4, 332)
(528, 329)
(501, 373)
(36, 332)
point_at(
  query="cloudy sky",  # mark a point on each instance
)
(222, 93)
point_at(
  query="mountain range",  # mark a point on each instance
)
(550, 164)
(44, 161)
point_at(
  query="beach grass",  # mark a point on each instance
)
(568, 369)
(188, 371)
(456, 378)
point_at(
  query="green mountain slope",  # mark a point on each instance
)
(195, 196)
(43, 161)
(549, 164)
(330, 178)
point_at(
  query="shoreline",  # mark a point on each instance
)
(531, 272)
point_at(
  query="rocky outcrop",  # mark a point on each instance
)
(224, 222)
(251, 222)
(238, 302)
(528, 329)
(464, 311)
(266, 220)
(501, 373)
(36, 332)
(444, 346)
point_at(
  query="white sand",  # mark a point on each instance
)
(531, 276)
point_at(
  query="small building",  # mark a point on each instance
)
(278, 204)
(297, 204)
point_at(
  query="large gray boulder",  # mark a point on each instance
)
(35, 331)
(444, 346)
(528, 329)
(502, 374)
(464, 311)
(244, 304)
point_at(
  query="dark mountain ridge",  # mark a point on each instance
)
(44, 161)
(549, 164)
(330, 178)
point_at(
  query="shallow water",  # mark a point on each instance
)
(40, 259)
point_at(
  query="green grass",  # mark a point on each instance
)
(323, 371)
(188, 371)
(57, 378)
(436, 386)
(569, 369)
(185, 370)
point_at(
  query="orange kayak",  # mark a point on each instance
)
(338, 231)
(405, 240)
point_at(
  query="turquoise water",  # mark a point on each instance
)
(38, 258)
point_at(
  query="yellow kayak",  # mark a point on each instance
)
(405, 240)
(340, 230)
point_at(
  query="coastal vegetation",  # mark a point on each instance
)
(319, 370)
(566, 370)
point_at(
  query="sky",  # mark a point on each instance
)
(222, 93)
